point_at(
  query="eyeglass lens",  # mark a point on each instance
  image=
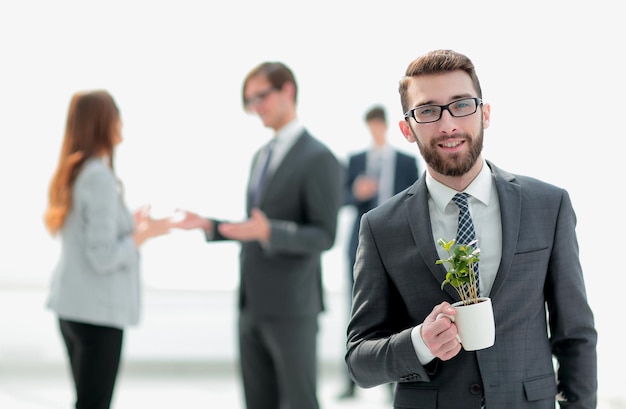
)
(458, 108)
(258, 98)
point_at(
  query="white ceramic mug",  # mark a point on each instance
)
(475, 324)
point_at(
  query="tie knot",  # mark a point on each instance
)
(461, 200)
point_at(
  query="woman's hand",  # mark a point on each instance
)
(146, 227)
(186, 220)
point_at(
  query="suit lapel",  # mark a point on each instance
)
(510, 198)
(289, 161)
(360, 162)
(416, 206)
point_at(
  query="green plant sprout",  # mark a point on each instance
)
(461, 275)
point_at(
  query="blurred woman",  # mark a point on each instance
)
(95, 290)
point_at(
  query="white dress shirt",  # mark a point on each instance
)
(285, 138)
(381, 163)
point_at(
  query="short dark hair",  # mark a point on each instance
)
(277, 73)
(377, 112)
(436, 62)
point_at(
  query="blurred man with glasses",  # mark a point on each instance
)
(400, 330)
(294, 195)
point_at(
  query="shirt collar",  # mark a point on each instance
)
(288, 133)
(480, 188)
(382, 151)
(383, 148)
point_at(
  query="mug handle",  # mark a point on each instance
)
(451, 318)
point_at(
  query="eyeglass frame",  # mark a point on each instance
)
(411, 112)
(258, 97)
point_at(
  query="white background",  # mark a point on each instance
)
(552, 71)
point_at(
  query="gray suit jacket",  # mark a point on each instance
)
(538, 296)
(96, 279)
(302, 199)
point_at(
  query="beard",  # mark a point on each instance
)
(456, 164)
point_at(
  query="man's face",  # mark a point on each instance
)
(378, 129)
(269, 103)
(451, 145)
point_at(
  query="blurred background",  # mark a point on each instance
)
(551, 71)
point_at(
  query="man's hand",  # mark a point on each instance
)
(257, 227)
(364, 188)
(439, 333)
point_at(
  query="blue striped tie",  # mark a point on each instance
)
(465, 233)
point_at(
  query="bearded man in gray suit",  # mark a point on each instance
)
(295, 192)
(529, 266)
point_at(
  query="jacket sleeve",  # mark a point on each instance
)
(322, 190)
(572, 333)
(376, 354)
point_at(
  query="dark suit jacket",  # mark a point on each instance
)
(405, 173)
(397, 284)
(301, 198)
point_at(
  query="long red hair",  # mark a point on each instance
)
(89, 131)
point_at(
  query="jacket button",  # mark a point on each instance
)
(476, 389)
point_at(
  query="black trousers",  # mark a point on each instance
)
(94, 353)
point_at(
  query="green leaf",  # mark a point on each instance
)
(460, 274)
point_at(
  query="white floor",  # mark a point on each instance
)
(176, 385)
(189, 386)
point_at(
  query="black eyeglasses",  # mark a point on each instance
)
(258, 98)
(425, 114)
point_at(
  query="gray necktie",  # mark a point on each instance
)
(465, 233)
(262, 174)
